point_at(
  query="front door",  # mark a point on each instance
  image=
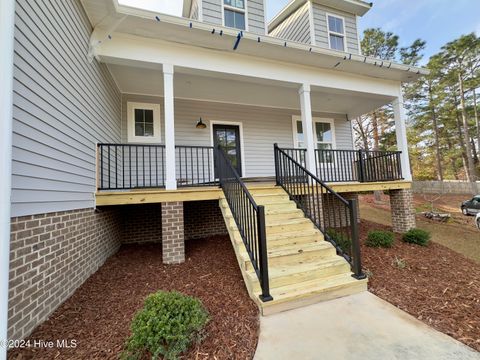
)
(228, 137)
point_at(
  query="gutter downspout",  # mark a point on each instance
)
(7, 21)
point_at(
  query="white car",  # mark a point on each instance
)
(477, 220)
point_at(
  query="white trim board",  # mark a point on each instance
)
(242, 144)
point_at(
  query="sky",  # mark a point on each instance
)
(436, 21)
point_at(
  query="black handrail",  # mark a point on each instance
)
(129, 166)
(357, 165)
(141, 166)
(194, 165)
(249, 218)
(334, 216)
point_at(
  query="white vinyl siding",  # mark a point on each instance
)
(63, 106)
(321, 27)
(262, 127)
(296, 27)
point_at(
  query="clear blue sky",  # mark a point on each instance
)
(436, 21)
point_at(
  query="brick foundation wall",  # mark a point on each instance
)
(51, 255)
(173, 238)
(203, 219)
(336, 213)
(142, 223)
(403, 210)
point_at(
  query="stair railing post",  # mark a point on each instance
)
(262, 242)
(277, 174)
(357, 261)
(361, 166)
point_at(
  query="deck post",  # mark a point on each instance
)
(401, 133)
(170, 168)
(307, 125)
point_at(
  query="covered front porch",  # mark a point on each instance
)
(174, 118)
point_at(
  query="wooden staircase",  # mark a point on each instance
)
(303, 268)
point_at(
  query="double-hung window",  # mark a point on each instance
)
(323, 132)
(143, 122)
(234, 14)
(336, 32)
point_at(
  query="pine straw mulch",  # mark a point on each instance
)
(435, 284)
(99, 313)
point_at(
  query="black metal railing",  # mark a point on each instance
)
(334, 216)
(249, 218)
(358, 165)
(195, 166)
(379, 166)
(132, 166)
(127, 166)
(297, 154)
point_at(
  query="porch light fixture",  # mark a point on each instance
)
(200, 124)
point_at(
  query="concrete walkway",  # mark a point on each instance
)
(362, 327)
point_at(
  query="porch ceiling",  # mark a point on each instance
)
(221, 87)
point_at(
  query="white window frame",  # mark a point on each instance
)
(233, 8)
(315, 120)
(157, 128)
(344, 35)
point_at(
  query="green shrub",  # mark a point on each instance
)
(417, 236)
(343, 241)
(379, 238)
(167, 325)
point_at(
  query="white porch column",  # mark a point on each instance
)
(401, 132)
(7, 9)
(307, 125)
(170, 181)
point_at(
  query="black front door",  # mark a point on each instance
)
(228, 137)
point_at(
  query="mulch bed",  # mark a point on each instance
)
(99, 313)
(435, 284)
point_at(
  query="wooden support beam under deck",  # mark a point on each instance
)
(149, 196)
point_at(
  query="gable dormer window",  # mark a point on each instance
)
(336, 32)
(234, 14)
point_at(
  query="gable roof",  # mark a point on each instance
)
(357, 7)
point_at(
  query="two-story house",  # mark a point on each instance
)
(127, 125)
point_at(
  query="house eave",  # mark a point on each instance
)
(175, 29)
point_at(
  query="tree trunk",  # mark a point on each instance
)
(474, 150)
(477, 120)
(435, 131)
(472, 173)
(460, 136)
(453, 163)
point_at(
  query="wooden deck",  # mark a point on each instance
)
(149, 196)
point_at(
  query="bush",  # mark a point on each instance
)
(167, 325)
(417, 236)
(378, 238)
(343, 241)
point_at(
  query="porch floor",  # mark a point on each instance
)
(201, 193)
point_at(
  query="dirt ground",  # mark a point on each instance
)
(99, 313)
(435, 284)
(458, 234)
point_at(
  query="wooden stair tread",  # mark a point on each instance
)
(297, 248)
(290, 269)
(311, 287)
